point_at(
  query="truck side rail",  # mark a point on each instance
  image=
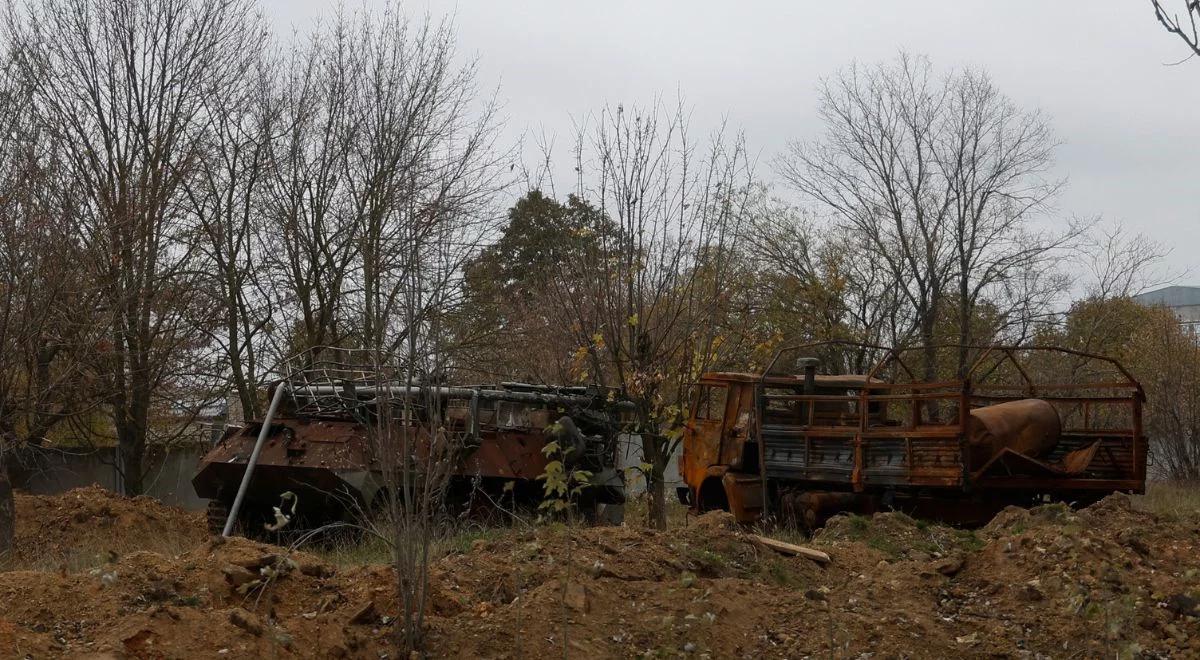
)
(901, 431)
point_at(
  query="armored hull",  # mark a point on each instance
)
(322, 457)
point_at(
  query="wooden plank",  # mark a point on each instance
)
(790, 549)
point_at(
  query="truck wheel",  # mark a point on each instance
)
(217, 513)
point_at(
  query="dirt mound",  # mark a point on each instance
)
(72, 528)
(1046, 582)
(234, 597)
(616, 592)
(1104, 578)
(897, 536)
(610, 592)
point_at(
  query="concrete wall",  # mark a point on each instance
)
(46, 472)
(1189, 314)
(1184, 301)
(631, 456)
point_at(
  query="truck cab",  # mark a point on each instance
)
(721, 458)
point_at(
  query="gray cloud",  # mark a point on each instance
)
(1127, 121)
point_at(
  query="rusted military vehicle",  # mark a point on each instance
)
(323, 456)
(798, 444)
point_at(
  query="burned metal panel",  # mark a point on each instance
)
(815, 458)
(507, 456)
(846, 436)
(744, 494)
(294, 442)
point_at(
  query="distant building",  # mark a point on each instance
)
(1183, 300)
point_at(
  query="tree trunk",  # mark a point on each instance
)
(131, 448)
(964, 326)
(244, 388)
(653, 449)
(8, 517)
(658, 501)
(929, 346)
(932, 407)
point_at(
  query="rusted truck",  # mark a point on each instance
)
(321, 457)
(797, 444)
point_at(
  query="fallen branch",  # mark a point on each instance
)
(789, 549)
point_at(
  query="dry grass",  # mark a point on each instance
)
(1179, 499)
(458, 539)
(98, 550)
(637, 511)
(370, 549)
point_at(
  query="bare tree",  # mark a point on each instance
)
(1123, 265)
(641, 303)
(225, 202)
(126, 87)
(875, 173)
(384, 135)
(1120, 266)
(814, 285)
(1185, 28)
(423, 155)
(309, 239)
(381, 192)
(46, 330)
(940, 179)
(418, 447)
(995, 159)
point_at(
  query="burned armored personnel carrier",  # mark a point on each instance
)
(799, 442)
(329, 447)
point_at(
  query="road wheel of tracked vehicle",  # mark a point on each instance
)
(600, 514)
(217, 513)
(611, 514)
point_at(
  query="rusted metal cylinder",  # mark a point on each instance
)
(1028, 426)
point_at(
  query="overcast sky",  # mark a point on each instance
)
(1128, 122)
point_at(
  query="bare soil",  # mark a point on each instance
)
(1106, 581)
(65, 530)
